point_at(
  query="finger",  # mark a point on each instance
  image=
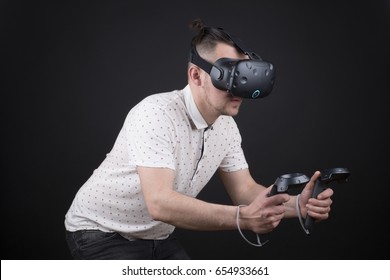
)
(261, 197)
(318, 209)
(327, 193)
(319, 215)
(268, 190)
(278, 199)
(319, 202)
(308, 190)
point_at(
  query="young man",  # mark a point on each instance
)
(169, 147)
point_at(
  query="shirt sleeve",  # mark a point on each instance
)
(150, 135)
(235, 159)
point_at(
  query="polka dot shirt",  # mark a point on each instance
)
(164, 130)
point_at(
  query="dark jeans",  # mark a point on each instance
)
(95, 245)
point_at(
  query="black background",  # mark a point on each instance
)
(71, 70)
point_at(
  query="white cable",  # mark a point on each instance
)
(259, 244)
(300, 216)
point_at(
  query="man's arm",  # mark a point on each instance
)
(240, 186)
(166, 205)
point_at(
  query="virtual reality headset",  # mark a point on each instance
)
(247, 78)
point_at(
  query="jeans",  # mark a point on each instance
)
(98, 245)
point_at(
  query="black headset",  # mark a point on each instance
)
(247, 78)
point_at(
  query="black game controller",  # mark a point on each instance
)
(285, 181)
(282, 185)
(327, 176)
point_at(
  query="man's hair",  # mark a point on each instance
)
(207, 37)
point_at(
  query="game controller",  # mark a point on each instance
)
(282, 185)
(284, 182)
(327, 176)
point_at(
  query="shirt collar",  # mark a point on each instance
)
(193, 110)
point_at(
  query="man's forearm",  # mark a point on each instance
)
(191, 213)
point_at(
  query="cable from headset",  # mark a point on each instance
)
(299, 215)
(259, 244)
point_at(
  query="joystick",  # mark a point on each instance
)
(285, 181)
(327, 176)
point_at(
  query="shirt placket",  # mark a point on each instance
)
(203, 155)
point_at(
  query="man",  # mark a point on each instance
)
(169, 147)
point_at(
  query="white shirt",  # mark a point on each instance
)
(164, 130)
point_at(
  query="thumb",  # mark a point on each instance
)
(308, 189)
(262, 196)
(267, 191)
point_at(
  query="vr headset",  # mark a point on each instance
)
(247, 78)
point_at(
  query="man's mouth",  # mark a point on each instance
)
(236, 99)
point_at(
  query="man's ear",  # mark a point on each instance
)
(194, 75)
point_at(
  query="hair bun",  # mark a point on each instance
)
(198, 25)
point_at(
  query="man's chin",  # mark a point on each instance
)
(231, 112)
